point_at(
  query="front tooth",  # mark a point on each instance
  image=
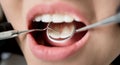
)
(68, 19)
(46, 18)
(57, 18)
(37, 19)
(77, 19)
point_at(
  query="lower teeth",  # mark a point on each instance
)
(60, 31)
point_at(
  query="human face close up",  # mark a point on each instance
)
(98, 46)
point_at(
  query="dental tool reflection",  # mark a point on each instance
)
(13, 33)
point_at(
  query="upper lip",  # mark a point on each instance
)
(51, 9)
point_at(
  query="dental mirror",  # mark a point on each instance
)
(112, 19)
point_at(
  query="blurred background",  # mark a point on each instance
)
(10, 53)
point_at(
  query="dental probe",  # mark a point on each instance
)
(13, 33)
(112, 19)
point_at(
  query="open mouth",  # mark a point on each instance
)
(59, 37)
(58, 32)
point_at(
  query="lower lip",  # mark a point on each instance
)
(54, 53)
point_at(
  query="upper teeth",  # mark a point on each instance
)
(56, 18)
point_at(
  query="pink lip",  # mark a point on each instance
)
(54, 53)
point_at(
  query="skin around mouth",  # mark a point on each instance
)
(42, 47)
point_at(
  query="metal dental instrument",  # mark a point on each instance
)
(13, 33)
(112, 19)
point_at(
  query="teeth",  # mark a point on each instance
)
(68, 19)
(37, 19)
(46, 18)
(77, 19)
(55, 18)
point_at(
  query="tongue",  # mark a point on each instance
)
(60, 33)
